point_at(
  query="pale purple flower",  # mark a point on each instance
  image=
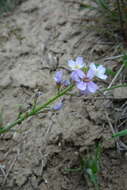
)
(99, 71)
(84, 81)
(77, 64)
(57, 106)
(58, 77)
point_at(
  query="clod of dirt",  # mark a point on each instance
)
(22, 176)
(120, 93)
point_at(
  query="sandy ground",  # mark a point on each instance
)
(35, 40)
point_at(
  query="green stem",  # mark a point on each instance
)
(120, 134)
(35, 110)
(113, 87)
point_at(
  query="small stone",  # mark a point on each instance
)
(22, 176)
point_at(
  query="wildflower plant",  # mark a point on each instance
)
(82, 76)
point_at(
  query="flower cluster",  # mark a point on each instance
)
(82, 75)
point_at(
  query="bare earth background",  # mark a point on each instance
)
(35, 40)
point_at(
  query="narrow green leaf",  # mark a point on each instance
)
(86, 6)
(120, 134)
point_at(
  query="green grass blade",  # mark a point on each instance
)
(120, 134)
(86, 6)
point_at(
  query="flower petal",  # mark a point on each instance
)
(93, 66)
(81, 85)
(79, 62)
(71, 64)
(74, 76)
(101, 69)
(90, 74)
(57, 106)
(92, 87)
(101, 76)
(58, 76)
(80, 73)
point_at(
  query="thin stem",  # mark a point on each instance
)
(115, 77)
(120, 134)
(34, 111)
(113, 87)
(37, 109)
